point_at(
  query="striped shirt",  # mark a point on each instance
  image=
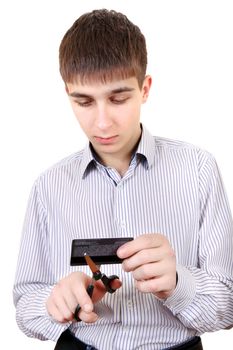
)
(171, 188)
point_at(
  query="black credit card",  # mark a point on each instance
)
(102, 251)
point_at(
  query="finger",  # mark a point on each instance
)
(57, 316)
(116, 284)
(56, 313)
(142, 257)
(100, 289)
(163, 285)
(82, 298)
(148, 271)
(146, 241)
(70, 300)
(88, 317)
(98, 292)
(154, 285)
(63, 308)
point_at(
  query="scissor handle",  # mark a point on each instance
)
(107, 282)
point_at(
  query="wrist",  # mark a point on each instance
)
(168, 293)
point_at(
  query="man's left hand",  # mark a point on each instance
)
(152, 262)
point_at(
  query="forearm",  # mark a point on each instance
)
(202, 302)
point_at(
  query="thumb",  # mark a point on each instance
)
(100, 290)
(116, 284)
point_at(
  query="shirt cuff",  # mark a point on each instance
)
(184, 293)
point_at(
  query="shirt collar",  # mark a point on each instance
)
(88, 161)
(146, 149)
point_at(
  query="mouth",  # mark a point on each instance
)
(106, 140)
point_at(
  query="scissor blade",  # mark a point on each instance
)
(94, 268)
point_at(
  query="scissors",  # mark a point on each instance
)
(96, 275)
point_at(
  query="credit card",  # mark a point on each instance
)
(102, 251)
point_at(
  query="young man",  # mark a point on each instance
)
(176, 279)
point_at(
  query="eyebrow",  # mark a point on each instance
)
(114, 91)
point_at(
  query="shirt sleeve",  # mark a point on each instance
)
(203, 298)
(34, 278)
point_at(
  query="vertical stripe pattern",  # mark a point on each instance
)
(171, 188)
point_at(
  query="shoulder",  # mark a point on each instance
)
(181, 148)
(63, 169)
(173, 144)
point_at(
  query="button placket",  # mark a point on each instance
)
(120, 210)
(129, 304)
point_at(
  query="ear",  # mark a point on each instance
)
(146, 88)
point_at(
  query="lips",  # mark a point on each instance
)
(106, 140)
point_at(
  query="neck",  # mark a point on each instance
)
(120, 160)
(121, 165)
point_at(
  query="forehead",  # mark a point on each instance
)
(96, 88)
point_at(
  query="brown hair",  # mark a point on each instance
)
(103, 45)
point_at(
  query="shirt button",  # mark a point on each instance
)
(123, 225)
(130, 304)
(126, 328)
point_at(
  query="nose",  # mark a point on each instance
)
(103, 118)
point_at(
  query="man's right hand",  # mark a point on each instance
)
(71, 291)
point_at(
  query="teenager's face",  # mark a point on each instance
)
(109, 113)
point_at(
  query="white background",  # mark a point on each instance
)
(190, 47)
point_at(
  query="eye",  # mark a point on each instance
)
(119, 100)
(83, 103)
